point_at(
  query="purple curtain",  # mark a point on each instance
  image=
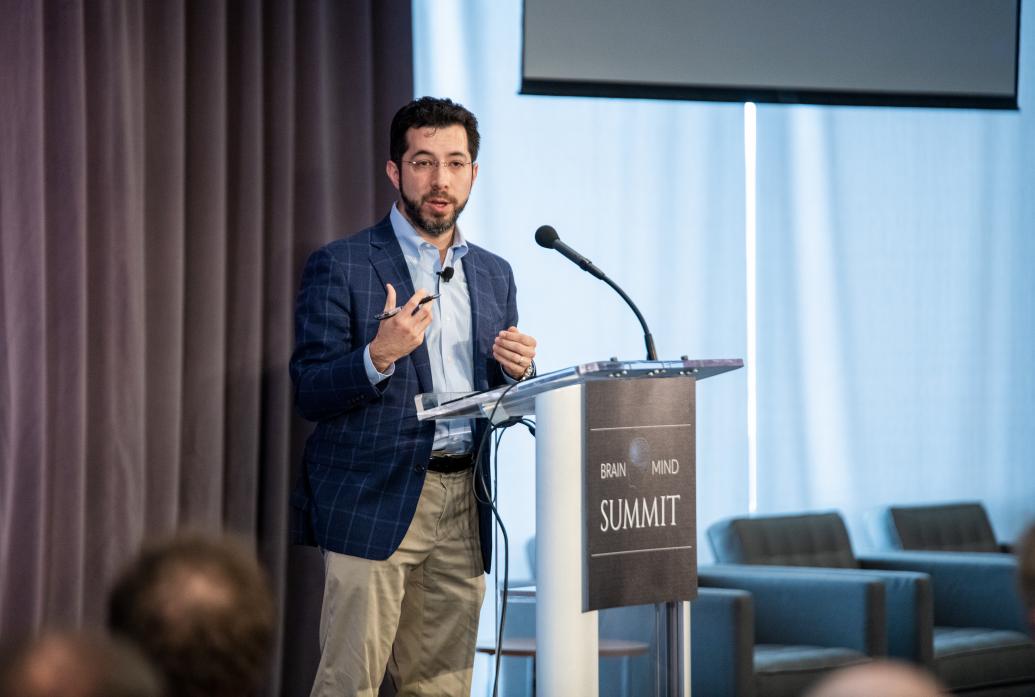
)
(165, 168)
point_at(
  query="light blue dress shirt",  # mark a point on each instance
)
(448, 337)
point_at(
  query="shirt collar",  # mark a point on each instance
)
(416, 247)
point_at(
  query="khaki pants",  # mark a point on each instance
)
(416, 612)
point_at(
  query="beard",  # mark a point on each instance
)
(434, 226)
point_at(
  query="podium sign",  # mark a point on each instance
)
(640, 517)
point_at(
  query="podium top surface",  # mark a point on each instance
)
(519, 399)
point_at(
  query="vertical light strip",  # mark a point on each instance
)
(750, 152)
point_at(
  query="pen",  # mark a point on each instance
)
(395, 310)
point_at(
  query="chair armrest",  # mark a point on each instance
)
(722, 643)
(971, 589)
(809, 606)
(910, 613)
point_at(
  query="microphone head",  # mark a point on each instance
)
(446, 274)
(546, 236)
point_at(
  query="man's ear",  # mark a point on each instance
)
(392, 170)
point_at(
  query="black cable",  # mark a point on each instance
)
(498, 656)
(505, 597)
(490, 500)
(506, 566)
(498, 430)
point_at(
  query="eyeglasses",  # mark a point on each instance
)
(426, 166)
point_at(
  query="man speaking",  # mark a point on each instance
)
(406, 306)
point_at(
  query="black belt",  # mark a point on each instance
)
(447, 464)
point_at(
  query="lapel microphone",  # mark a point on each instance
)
(445, 274)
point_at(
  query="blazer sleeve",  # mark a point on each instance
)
(326, 367)
(510, 319)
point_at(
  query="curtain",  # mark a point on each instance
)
(165, 168)
(896, 290)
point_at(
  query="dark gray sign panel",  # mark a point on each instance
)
(639, 492)
(941, 53)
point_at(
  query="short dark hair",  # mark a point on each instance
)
(80, 664)
(436, 113)
(202, 611)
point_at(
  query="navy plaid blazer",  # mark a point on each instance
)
(364, 464)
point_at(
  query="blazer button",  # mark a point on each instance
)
(419, 468)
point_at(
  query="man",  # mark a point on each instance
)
(390, 500)
(878, 679)
(202, 611)
(60, 664)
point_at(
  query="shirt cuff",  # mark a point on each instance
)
(372, 373)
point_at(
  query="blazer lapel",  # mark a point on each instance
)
(390, 266)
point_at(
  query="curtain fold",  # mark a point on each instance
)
(165, 168)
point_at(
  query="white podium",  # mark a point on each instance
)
(566, 637)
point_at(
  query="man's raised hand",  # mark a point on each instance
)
(400, 334)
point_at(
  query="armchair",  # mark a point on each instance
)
(949, 527)
(978, 645)
(772, 632)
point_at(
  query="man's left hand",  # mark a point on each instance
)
(514, 351)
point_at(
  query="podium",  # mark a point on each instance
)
(566, 625)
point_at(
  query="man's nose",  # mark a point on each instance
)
(439, 177)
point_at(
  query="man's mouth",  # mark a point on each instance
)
(438, 204)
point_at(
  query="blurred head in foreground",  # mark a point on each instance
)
(64, 664)
(878, 679)
(201, 609)
(1026, 573)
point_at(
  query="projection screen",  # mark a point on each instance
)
(941, 53)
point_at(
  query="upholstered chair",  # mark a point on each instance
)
(979, 644)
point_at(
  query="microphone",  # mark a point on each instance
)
(547, 237)
(446, 273)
